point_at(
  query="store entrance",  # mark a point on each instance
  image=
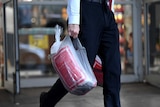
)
(152, 46)
(35, 30)
(35, 67)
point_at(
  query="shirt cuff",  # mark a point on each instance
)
(74, 19)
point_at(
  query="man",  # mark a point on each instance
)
(93, 22)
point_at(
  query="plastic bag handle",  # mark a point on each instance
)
(77, 44)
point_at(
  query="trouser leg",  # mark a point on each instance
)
(111, 73)
(55, 94)
(110, 54)
(99, 32)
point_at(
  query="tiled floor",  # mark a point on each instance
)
(132, 95)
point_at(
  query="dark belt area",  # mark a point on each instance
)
(97, 1)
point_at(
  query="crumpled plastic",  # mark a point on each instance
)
(71, 63)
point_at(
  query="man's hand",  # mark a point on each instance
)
(73, 30)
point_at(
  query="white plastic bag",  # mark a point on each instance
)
(71, 63)
(55, 46)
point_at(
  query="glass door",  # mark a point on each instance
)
(152, 41)
(127, 14)
(11, 69)
(36, 35)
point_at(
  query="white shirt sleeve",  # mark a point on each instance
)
(112, 6)
(73, 11)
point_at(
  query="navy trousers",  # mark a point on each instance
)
(99, 35)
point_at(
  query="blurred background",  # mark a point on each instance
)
(27, 33)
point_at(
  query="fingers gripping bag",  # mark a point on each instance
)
(70, 61)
